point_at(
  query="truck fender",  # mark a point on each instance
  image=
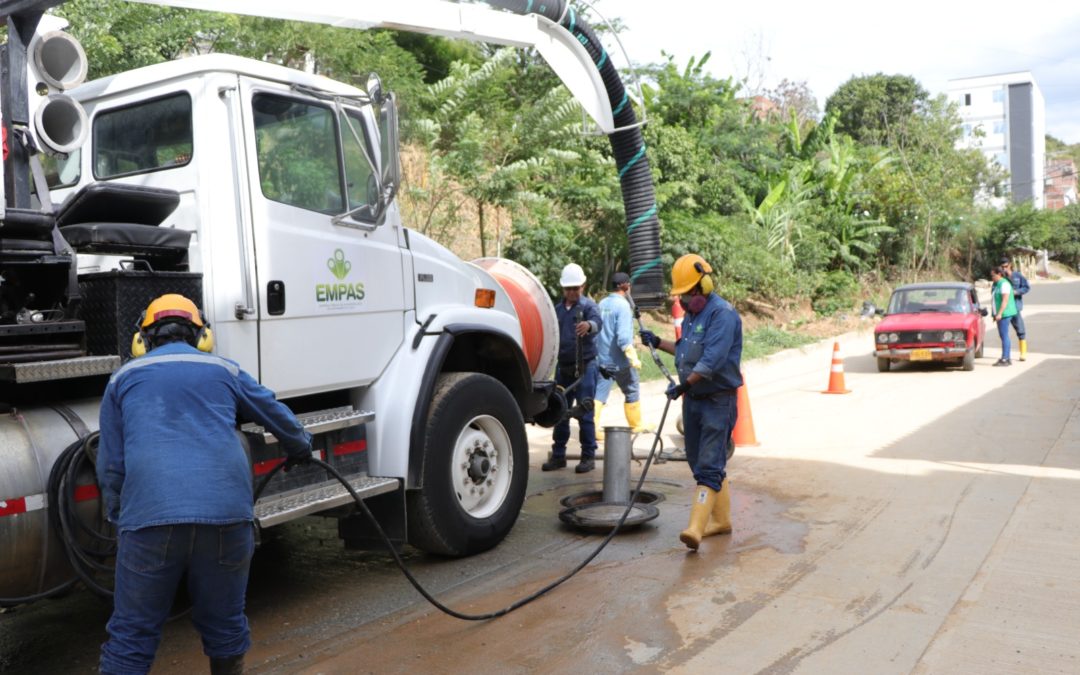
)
(460, 348)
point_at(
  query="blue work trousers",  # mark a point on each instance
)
(586, 391)
(627, 379)
(150, 563)
(1017, 321)
(1003, 332)
(707, 427)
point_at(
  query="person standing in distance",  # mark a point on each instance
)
(1020, 287)
(177, 485)
(616, 355)
(1003, 306)
(707, 358)
(579, 323)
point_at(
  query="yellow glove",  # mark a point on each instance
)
(631, 354)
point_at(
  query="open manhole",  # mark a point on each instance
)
(586, 511)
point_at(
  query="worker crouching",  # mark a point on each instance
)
(707, 358)
(176, 484)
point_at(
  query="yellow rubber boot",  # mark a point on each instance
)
(633, 417)
(597, 408)
(720, 518)
(1023, 350)
(704, 498)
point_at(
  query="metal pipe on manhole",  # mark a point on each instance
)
(600, 511)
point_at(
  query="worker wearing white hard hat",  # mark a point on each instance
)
(579, 323)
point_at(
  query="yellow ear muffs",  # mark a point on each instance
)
(138, 344)
(707, 285)
(204, 339)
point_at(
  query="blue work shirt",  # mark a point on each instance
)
(568, 337)
(1020, 288)
(169, 451)
(616, 332)
(711, 346)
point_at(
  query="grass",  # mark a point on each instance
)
(756, 344)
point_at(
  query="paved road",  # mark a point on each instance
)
(923, 523)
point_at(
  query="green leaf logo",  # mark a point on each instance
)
(338, 265)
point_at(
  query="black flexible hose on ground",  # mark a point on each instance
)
(519, 603)
(635, 176)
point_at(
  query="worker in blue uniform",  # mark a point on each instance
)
(177, 485)
(616, 355)
(579, 323)
(1020, 287)
(707, 358)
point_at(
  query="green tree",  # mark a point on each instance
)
(869, 107)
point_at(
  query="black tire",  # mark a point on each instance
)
(979, 350)
(883, 365)
(969, 361)
(476, 467)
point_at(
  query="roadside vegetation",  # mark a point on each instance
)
(794, 206)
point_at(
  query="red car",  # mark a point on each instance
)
(939, 321)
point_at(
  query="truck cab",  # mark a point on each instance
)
(268, 196)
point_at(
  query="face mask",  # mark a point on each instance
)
(693, 303)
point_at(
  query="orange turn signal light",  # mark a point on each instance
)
(485, 297)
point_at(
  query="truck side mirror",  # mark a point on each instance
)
(390, 160)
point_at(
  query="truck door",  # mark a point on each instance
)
(331, 299)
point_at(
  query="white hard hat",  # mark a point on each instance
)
(572, 275)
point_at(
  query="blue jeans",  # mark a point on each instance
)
(1003, 332)
(585, 391)
(149, 565)
(627, 379)
(1017, 322)
(707, 427)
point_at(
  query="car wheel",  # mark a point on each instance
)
(979, 350)
(476, 467)
(969, 361)
(883, 365)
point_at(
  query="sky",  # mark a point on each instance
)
(826, 43)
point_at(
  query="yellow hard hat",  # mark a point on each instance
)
(687, 272)
(171, 306)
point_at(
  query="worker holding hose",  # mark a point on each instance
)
(707, 358)
(176, 484)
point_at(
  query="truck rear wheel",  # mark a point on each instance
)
(476, 467)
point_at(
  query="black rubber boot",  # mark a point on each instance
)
(231, 665)
(553, 464)
(585, 466)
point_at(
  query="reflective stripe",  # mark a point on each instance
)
(838, 368)
(150, 360)
(13, 507)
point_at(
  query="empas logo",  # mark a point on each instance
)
(341, 291)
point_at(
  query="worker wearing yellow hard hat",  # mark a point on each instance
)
(707, 358)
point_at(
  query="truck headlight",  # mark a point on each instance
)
(947, 336)
(893, 337)
(882, 337)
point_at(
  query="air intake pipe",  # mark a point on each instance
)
(639, 196)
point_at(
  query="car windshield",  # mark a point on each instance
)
(916, 300)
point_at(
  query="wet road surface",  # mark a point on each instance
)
(922, 523)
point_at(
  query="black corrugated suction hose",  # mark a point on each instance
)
(635, 177)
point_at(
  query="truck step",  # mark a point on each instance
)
(319, 421)
(61, 369)
(290, 505)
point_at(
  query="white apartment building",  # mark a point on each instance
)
(1005, 117)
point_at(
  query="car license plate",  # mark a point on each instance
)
(921, 355)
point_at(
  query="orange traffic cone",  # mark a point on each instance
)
(744, 425)
(836, 373)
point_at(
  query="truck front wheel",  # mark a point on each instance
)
(476, 465)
